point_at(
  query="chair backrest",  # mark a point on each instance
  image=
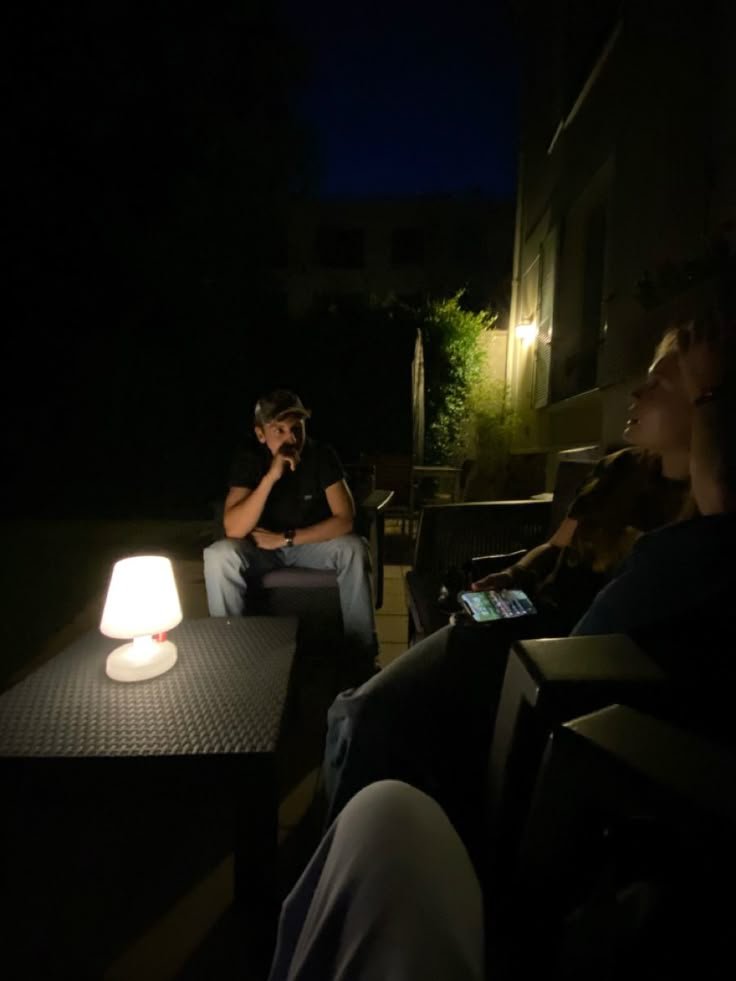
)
(449, 534)
(466, 470)
(361, 479)
(394, 473)
(627, 805)
(571, 473)
(546, 683)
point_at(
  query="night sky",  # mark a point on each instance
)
(153, 150)
(410, 97)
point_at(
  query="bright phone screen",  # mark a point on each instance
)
(501, 604)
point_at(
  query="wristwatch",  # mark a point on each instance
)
(289, 536)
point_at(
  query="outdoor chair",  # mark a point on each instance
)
(546, 683)
(626, 853)
(458, 543)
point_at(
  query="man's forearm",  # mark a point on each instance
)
(240, 519)
(324, 531)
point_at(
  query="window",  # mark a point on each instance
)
(592, 301)
(338, 303)
(546, 294)
(407, 246)
(581, 289)
(340, 248)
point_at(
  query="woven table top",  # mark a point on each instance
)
(225, 695)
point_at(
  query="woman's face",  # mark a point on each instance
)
(659, 415)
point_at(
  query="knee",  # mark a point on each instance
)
(392, 799)
(396, 811)
(359, 707)
(349, 550)
(222, 554)
(350, 721)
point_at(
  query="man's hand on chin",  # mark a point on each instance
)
(287, 458)
(268, 540)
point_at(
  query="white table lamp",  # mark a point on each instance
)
(142, 603)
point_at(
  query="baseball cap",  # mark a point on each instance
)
(277, 405)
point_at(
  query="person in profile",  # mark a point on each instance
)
(289, 505)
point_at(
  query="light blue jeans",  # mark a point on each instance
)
(227, 562)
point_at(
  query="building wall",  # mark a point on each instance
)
(643, 164)
(466, 242)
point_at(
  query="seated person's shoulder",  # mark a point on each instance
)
(615, 474)
(328, 466)
(630, 459)
(319, 448)
(709, 539)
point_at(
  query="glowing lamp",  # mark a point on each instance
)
(527, 331)
(142, 603)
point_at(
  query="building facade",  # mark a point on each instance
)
(343, 250)
(627, 178)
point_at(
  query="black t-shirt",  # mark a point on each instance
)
(298, 498)
(625, 496)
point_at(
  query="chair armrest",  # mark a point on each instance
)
(425, 614)
(369, 522)
(376, 500)
(218, 519)
(484, 565)
(546, 683)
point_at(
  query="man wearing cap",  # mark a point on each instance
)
(289, 505)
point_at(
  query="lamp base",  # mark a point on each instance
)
(132, 663)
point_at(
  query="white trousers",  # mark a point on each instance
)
(389, 895)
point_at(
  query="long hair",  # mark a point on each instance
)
(669, 345)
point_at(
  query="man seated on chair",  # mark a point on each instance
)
(288, 505)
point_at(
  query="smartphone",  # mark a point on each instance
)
(497, 604)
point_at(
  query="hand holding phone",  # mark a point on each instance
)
(497, 604)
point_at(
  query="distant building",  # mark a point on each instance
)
(627, 171)
(338, 251)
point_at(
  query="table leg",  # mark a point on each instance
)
(255, 849)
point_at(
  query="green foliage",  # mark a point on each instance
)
(495, 423)
(453, 360)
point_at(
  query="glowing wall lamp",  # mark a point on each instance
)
(526, 332)
(142, 603)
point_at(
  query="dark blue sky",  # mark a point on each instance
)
(407, 99)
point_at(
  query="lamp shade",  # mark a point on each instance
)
(141, 598)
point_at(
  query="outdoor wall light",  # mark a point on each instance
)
(142, 603)
(526, 331)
